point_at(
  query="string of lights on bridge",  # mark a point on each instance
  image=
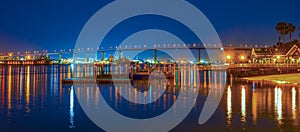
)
(127, 47)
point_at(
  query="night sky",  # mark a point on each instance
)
(56, 24)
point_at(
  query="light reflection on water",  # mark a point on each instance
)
(229, 106)
(72, 108)
(33, 98)
(278, 105)
(243, 107)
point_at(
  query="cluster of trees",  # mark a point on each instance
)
(284, 29)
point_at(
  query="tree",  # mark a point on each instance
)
(291, 29)
(299, 33)
(282, 31)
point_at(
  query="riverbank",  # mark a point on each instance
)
(280, 79)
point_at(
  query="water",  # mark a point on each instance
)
(33, 98)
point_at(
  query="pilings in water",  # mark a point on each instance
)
(176, 74)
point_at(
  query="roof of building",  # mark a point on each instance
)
(283, 50)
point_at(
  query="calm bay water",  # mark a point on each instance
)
(33, 98)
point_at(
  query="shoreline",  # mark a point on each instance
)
(292, 78)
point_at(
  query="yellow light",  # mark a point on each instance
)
(228, 57)
(293, 59)
(242, 57)
(278, 57)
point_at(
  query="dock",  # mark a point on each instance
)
(91, 80)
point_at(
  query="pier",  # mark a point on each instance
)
(249, 70)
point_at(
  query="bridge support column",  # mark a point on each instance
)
(102, 56)
(87, 56)
(199, 55)
(74, 55)
(155, 56)
(60, 56)
(120, 54)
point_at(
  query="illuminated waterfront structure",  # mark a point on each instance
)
(289, 54)
(245, 54)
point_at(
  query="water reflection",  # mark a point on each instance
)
(294, 102)
(229, 107)
(243, 105)
(9, 104)
(278, 104)
(243, 108)
(72, 114)
(30, 94)
(27, 95)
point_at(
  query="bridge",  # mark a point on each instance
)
(119, 50)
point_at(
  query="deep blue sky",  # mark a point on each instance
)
(56, 24)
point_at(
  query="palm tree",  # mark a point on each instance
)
(299, 33)
(291, 29)
(282, 31)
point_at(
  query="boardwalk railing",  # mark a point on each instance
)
(263, 65)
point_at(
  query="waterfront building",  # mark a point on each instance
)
(286, 54)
